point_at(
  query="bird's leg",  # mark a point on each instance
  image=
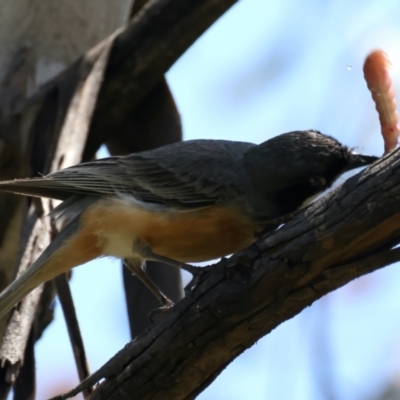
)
(146, 252)
(135, 265)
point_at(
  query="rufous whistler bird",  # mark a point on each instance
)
(186, 202)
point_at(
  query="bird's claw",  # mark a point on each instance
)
(157, 313)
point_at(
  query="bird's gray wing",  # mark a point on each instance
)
(188, 174)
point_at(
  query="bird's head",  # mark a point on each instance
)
(296, 166)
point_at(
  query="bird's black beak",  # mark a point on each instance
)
(360, 160)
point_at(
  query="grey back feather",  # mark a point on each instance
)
(187, 174)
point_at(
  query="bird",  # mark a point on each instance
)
(183, 203)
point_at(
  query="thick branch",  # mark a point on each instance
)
(346, 234)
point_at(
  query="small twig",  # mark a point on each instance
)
(67, 305)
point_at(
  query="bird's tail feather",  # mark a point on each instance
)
(42, 270)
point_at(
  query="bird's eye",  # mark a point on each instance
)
(317, 181)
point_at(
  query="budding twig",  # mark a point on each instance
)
(377, 75)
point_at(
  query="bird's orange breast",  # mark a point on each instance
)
(188, 236)
(198, 235)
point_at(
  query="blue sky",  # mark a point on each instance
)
(263, 69)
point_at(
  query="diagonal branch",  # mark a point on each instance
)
(74, 332)
(346, 234)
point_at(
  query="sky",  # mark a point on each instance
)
(263, 69)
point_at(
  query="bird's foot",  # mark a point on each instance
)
(198, 274)
(157, 313)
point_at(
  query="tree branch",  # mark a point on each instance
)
(74, 332)
(346, 234)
